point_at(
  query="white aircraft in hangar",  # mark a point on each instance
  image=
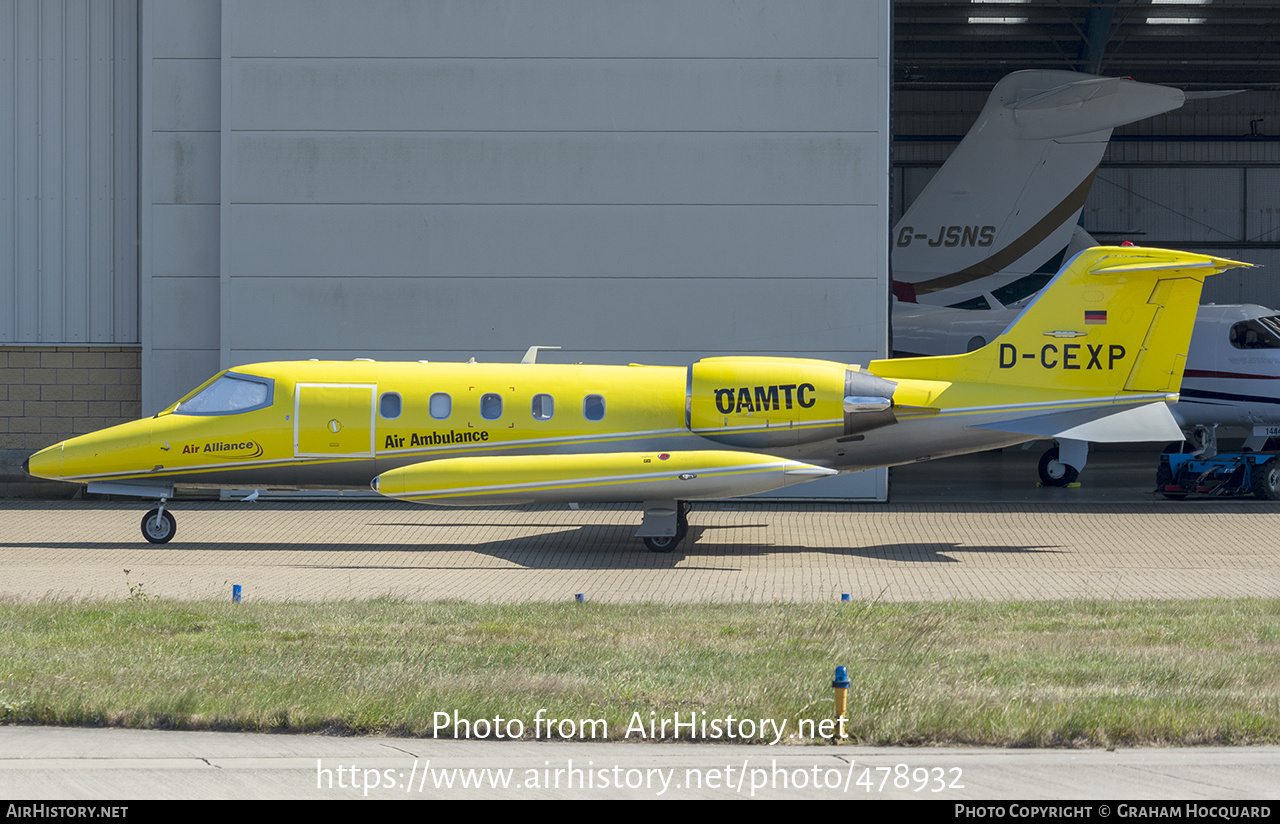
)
(992, 226)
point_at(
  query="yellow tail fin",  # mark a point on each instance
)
(1115, 318)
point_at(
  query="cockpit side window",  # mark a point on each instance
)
(1259, 333)
(230, 394)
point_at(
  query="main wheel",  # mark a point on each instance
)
(664, 544)
(158, 527)
(1265, 480)
(1054, 472)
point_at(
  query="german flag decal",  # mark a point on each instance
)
(1095, 316)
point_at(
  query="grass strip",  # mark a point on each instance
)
(1031, 674)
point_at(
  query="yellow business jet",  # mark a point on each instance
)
(1098, 356)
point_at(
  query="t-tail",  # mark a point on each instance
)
(1009, 197)
(1115, 322)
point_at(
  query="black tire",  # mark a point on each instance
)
(1054, 472)
(664, 544)
(1164, 477)
(1264, 479)
(159, 530)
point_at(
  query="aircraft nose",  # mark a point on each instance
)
(47, 463)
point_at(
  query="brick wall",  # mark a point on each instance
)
(50, 393)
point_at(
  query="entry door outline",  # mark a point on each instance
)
(297, 419)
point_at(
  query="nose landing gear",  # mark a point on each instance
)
(159, 526)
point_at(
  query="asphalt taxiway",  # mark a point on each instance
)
(112, 764)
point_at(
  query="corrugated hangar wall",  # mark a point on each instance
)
(69, 352)
(650, 182)
(68, 173)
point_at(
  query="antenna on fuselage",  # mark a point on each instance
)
(531, 356)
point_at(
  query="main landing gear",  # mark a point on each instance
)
(1053, 472)
(656, 517)
(159, 526)
(1060, 465)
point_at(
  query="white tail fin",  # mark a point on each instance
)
(1008, 199)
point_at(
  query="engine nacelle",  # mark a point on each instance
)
(760, 402)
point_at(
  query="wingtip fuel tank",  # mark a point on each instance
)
(606, 476)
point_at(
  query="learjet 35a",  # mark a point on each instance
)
(1097, 356)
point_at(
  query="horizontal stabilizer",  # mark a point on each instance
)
(1166, 265)
(1150, 422)
(1089, 104)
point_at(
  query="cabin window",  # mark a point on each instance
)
(544, 406)
(1260, 333)
(228, 395)
(389, 405)
(593, 407)
(490, 406)
(441, 406)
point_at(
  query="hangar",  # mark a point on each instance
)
(192, 186)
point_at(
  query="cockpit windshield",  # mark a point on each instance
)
(1259, 333)
(228, 395)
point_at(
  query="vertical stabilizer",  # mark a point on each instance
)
(1115, 319)
(1008, 199)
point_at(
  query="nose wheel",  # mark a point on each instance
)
(158, 525)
